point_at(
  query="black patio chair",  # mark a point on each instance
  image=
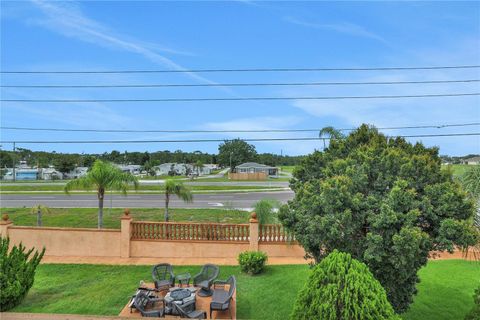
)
(222, 298)
(142, 302)
(163, 276)
(205, 279)
(195, 314)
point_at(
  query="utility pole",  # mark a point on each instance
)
(13, 158)
(231, 161)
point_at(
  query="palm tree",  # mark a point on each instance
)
(199, 166)
(103, 176)
(177, 188)
(38, 210)
(329, 133)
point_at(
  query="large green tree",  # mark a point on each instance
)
(234, 152)
(103, 176)
(384, 201)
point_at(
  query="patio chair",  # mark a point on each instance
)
(195, 314)
(142, 301)
(222, 298)
(205, 278)
(163, 276)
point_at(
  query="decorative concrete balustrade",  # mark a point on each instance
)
(145, 239)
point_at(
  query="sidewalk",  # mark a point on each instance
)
(200, 261)
(151, 261)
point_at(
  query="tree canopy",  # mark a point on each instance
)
(384, 201)
(238, 151)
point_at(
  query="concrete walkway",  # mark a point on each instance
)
(174, 261)
(200, 261)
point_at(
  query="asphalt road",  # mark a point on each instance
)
(230, 200)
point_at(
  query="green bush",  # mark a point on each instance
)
(17, 273)
(474, 314)
(341, 287)
(252, 262)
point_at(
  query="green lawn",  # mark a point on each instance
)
(287, 168)
(87, 217)
(458, 170)
(445, 291)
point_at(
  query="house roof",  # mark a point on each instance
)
(254, 165)
(473, 159)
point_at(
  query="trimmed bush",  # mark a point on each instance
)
(341, 287)
(474, 314)
(17, 273)
(252, 262)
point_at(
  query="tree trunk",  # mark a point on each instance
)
(167, 200)
(39, 217)
(100, 208)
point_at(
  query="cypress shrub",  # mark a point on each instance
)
(17, 273)
(474, 314)
(341, 287)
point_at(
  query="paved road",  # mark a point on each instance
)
(233, 200)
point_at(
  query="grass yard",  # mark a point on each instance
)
(287, 168)
(445, 291)
(458, 170)
(87, 217)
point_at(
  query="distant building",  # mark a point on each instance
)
(21, 174)
(253, 167)
(181, 169)
(50, 174)
(472, 161)
(134, 169)
(76, 173)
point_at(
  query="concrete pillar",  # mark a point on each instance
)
(5, 223)
(126, 223)
(254, 232)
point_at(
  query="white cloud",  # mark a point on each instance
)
(340, 27)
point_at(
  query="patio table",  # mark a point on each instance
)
(183, 278)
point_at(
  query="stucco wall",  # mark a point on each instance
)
(69, 241)
(182, 249)
(282, 250)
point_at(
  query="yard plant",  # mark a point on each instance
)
(252, 262)
(103, 176)
(17, 272)
(383, 200)
(341, 287)
(474, 314)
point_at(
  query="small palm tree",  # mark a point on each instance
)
(471, 183)
(177, 188)
(39, 209)
(329, 133)
(103, 176)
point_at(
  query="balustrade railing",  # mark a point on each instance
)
(189, 231)
(274, 233)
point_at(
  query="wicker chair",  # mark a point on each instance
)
(205, 279)
(221, 298)
(163, 276)
(142, 302)
(195, 314)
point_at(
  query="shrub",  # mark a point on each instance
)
(474, 314)
(252, 262)
(341, 287)
(16, 273)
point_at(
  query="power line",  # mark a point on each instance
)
(218, 140)
(237, 70)
(438, 126)
(175, 85)
(241, 98)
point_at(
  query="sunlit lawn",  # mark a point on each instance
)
(445, 291)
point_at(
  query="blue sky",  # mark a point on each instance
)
(38, 35)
